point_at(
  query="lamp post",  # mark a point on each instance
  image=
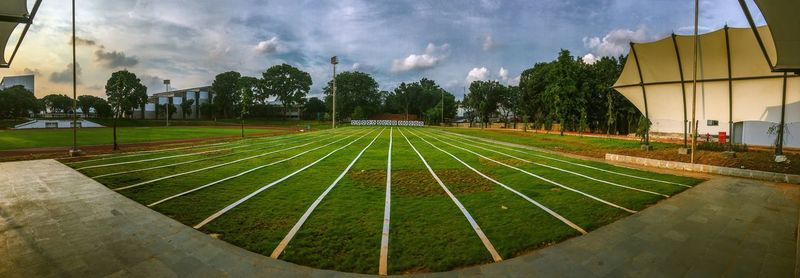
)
(74, 151)
(166, 84)
(334, 61)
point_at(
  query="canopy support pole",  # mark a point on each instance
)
(694, 78)
(730, 86)
(782, 126)
(752, 23)
(644, 94)
(683, 90)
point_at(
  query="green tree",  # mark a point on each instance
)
(289, 84)
(58, 103)
(88, 102)
(102, 109)
(226, 92)
(186, 108)
(125, 92)
(483, 98)
(315, 108)
(16, 101)
(353, 89)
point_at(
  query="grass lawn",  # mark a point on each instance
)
(253, 192)
(40, 138)
(760, 159)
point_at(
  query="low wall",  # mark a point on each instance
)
(727, 171)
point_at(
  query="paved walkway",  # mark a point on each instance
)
(57, 222)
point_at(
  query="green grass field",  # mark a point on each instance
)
(319, 198)
(24, 139)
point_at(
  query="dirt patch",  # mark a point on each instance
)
(509, 161)
(420, 183)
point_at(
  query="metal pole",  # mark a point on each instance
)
(779, 143)
(334, 61)
(442, 107)
(74, 88)
(694, 77)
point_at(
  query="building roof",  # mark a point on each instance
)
(13, 13)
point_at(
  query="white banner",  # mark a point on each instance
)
(386, 123)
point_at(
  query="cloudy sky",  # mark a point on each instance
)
(452, 42)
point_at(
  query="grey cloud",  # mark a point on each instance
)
(115, 59)
(82, 41)
(31, 71)
(65, 76)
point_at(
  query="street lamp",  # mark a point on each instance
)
(74, 151)
(334, 61)
(166, 84)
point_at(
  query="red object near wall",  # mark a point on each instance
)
(723, 137)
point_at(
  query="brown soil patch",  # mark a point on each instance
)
(420, 183)
(509, 161)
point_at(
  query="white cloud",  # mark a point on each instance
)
(268, 46)
(477, 74)
(514, 81)
(590, 58)
(503, 73)
(615, 42)
(488, 43)
(433, 55)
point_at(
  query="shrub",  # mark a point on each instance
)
(717, 147)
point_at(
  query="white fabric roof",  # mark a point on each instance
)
(666, 69)
(784, 24)
(13, 8)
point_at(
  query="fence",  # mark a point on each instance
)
(385, 123)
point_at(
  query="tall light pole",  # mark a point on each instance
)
(74, 151)
(334, 61)
(694, 79)
(166, 84)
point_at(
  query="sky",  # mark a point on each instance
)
(452, 42)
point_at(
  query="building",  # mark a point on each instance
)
(26, 81)
(200, 95)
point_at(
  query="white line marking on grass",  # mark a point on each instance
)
(558, 169)
(251, 195)
(192, 161)
(140, 153)
(383, 266)
(526, 172)
(577, 164)
(207, 168)
(180, 155)
(282, 245)
(532, 201)
(246, 172)
(478, 230)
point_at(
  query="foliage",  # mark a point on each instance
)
(161, 110)
(315, 108)
(58, 103)
(226, 92)
(207, 110)
(643, 128)
(87, 102)
(353, 89)
(417, 98)
(717, 147)
(483, 98)
(125, 92)
(186, 108)
(289, 84)
(16, 101)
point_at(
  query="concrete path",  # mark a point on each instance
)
(56, 222)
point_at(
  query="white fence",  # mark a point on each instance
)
(386, 123)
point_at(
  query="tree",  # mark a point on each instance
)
(186, 108)
(58, 103)
(87, 102)
(288, 83)
(161, 109)
(483, 98)
(125, 92)
(102, 109)
(353, 89)
(226, 92)
(315, 108)
(17, 101)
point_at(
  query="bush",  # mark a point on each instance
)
(717, 147)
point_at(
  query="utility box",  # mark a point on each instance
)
(722, 137)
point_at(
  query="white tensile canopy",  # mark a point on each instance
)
(12, 13)
(735, 82)
(784, 24)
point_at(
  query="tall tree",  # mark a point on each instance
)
(226, 92)
(58, 103)
(16, 101)
(315, 108)
(289, 84)
(353, 89)
(186, 108)
(483, 98)
(125, 92)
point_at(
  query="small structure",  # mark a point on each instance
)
(34, 124)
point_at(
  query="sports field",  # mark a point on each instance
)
(43, 138)
(381, 199)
